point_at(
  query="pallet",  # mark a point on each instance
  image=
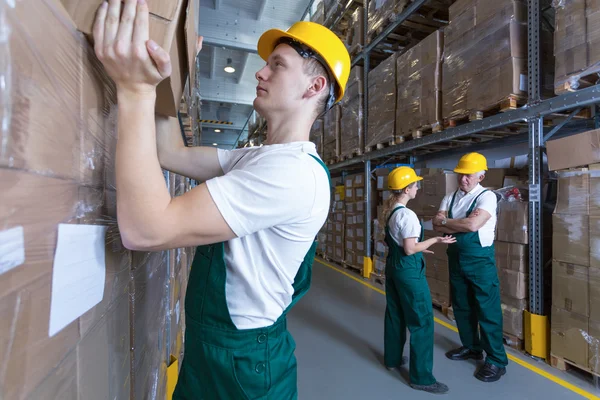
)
(379, 146)
(422, 131)
(353, 153)
(354, 50)
(562, 364)
(575, 83)
(510, 102)
(445, 309)
(513, 341)
(331, 161)
(351, 267)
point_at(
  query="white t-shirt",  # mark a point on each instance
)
(275, 198)
(487, 202)
(404, 224)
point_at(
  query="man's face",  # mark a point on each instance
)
(466, 183)
(282, 83)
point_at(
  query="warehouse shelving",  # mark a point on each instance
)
(528, 120)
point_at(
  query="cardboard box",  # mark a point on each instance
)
(513, 284)
(567, 340)
(379, 265)
(573, 195)
(595, 243)
(594, 170)
(594, 287)
(440, 291)
(436, 268)
(167, 28)
(435, 185)
(512, 256)
(570, 288)
(594, 346)
(512, 319)
(571, 239)
(513, 222)
(585, 145)
(338, 253)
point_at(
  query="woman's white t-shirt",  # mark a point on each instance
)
(404, 224)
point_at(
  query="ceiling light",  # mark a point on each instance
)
(218, 130)
(215, 144)
(229, 68)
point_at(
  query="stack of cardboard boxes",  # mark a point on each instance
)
(355, 39)
(331, 134)
(576, 39)
(419, 83)
(575, 319)
(355, 220)
(351, 125)
(82, 317)
(316, 136)
(382, 13)
(382, 103)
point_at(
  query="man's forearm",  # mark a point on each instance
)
(459, 225)
(443, 229)
(142, 194)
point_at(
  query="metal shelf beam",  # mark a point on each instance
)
(581, 98)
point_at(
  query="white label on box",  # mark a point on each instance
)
(78, 275)
(360, 246)
(380, 183)
(12, 248)
(360, 192)
(349, 193)
(523, 82)
(534, 193)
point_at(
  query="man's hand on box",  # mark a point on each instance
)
(122, 43)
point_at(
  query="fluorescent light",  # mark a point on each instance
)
(215, 144)
(229, 67)
(218, 130)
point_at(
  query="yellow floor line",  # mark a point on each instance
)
(517, 360)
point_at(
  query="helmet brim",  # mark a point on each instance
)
(417, 179)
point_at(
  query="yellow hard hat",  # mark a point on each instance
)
(325, 43)
(401, 177)
(471, 163)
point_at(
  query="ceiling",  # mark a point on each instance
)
(231, 29)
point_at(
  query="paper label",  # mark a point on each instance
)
(12, 248)
(78, 275)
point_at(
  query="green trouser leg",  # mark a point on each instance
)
(476, 300)
(409, 300)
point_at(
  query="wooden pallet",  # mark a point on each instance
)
(331, 161)
(563, 364)
(422, 131)
(511, 102)
(379, 146)
(513, 341)
(575, 83)
(351, 267)
(354, 50)
(353, 153)
(444, 307)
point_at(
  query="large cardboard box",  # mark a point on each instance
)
(594, 170)
(594, 286)
(595, 243)
(512, 321)
(573, 195)
(513, 222)
(571, 239)
(512, 256)
(167, 28)
(382, 103)
(594, 346)
(585, 145)
(513, 284)
(567, 340)
(570, 288)
(440, 291)
(435, 185)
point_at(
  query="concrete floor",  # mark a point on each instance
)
(338, 328)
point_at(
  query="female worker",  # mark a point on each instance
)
(407, 293)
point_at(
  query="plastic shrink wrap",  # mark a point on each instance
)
(351, 125)
(316, 135)
(419, 79)
(381, 14)
(331, 133)
(382, 103)
(78, 309)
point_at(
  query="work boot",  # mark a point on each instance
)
(436, 388)
(490, 373)
(403, 362)
(464, 354)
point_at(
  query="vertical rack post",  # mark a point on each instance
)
(367, 265)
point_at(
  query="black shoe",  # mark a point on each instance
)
(464, 354)
(490, 373)
(403, 362)
(436, 388)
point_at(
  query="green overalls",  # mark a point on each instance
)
(408, 306)
(475, 292)
(222, 362)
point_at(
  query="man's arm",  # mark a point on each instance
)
(148, 218)
(473, 223)
(200, 163)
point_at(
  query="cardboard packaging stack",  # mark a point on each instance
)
(576, 40)
(576, 256)
(485, 55)
(419, 83)
(354, 200)
(381, 14)
(351, 124)
(355, 39)
(316, 136)
(319, 15)
(331, 134)
(82, 317)
(382, 103)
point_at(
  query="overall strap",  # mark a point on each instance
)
(475, 202)
(392, 213)
(452, 205)
(323, 165)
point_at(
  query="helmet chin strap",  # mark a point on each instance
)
(306, 52)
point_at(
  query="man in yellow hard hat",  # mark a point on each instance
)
(255, 217)
(470, 215)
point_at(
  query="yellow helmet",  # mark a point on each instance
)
(401, 177)
(329, 48)
(471, 163)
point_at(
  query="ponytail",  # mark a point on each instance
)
(389, 205)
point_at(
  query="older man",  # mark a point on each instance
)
(469, 214)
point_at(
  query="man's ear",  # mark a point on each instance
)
(318, 85)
